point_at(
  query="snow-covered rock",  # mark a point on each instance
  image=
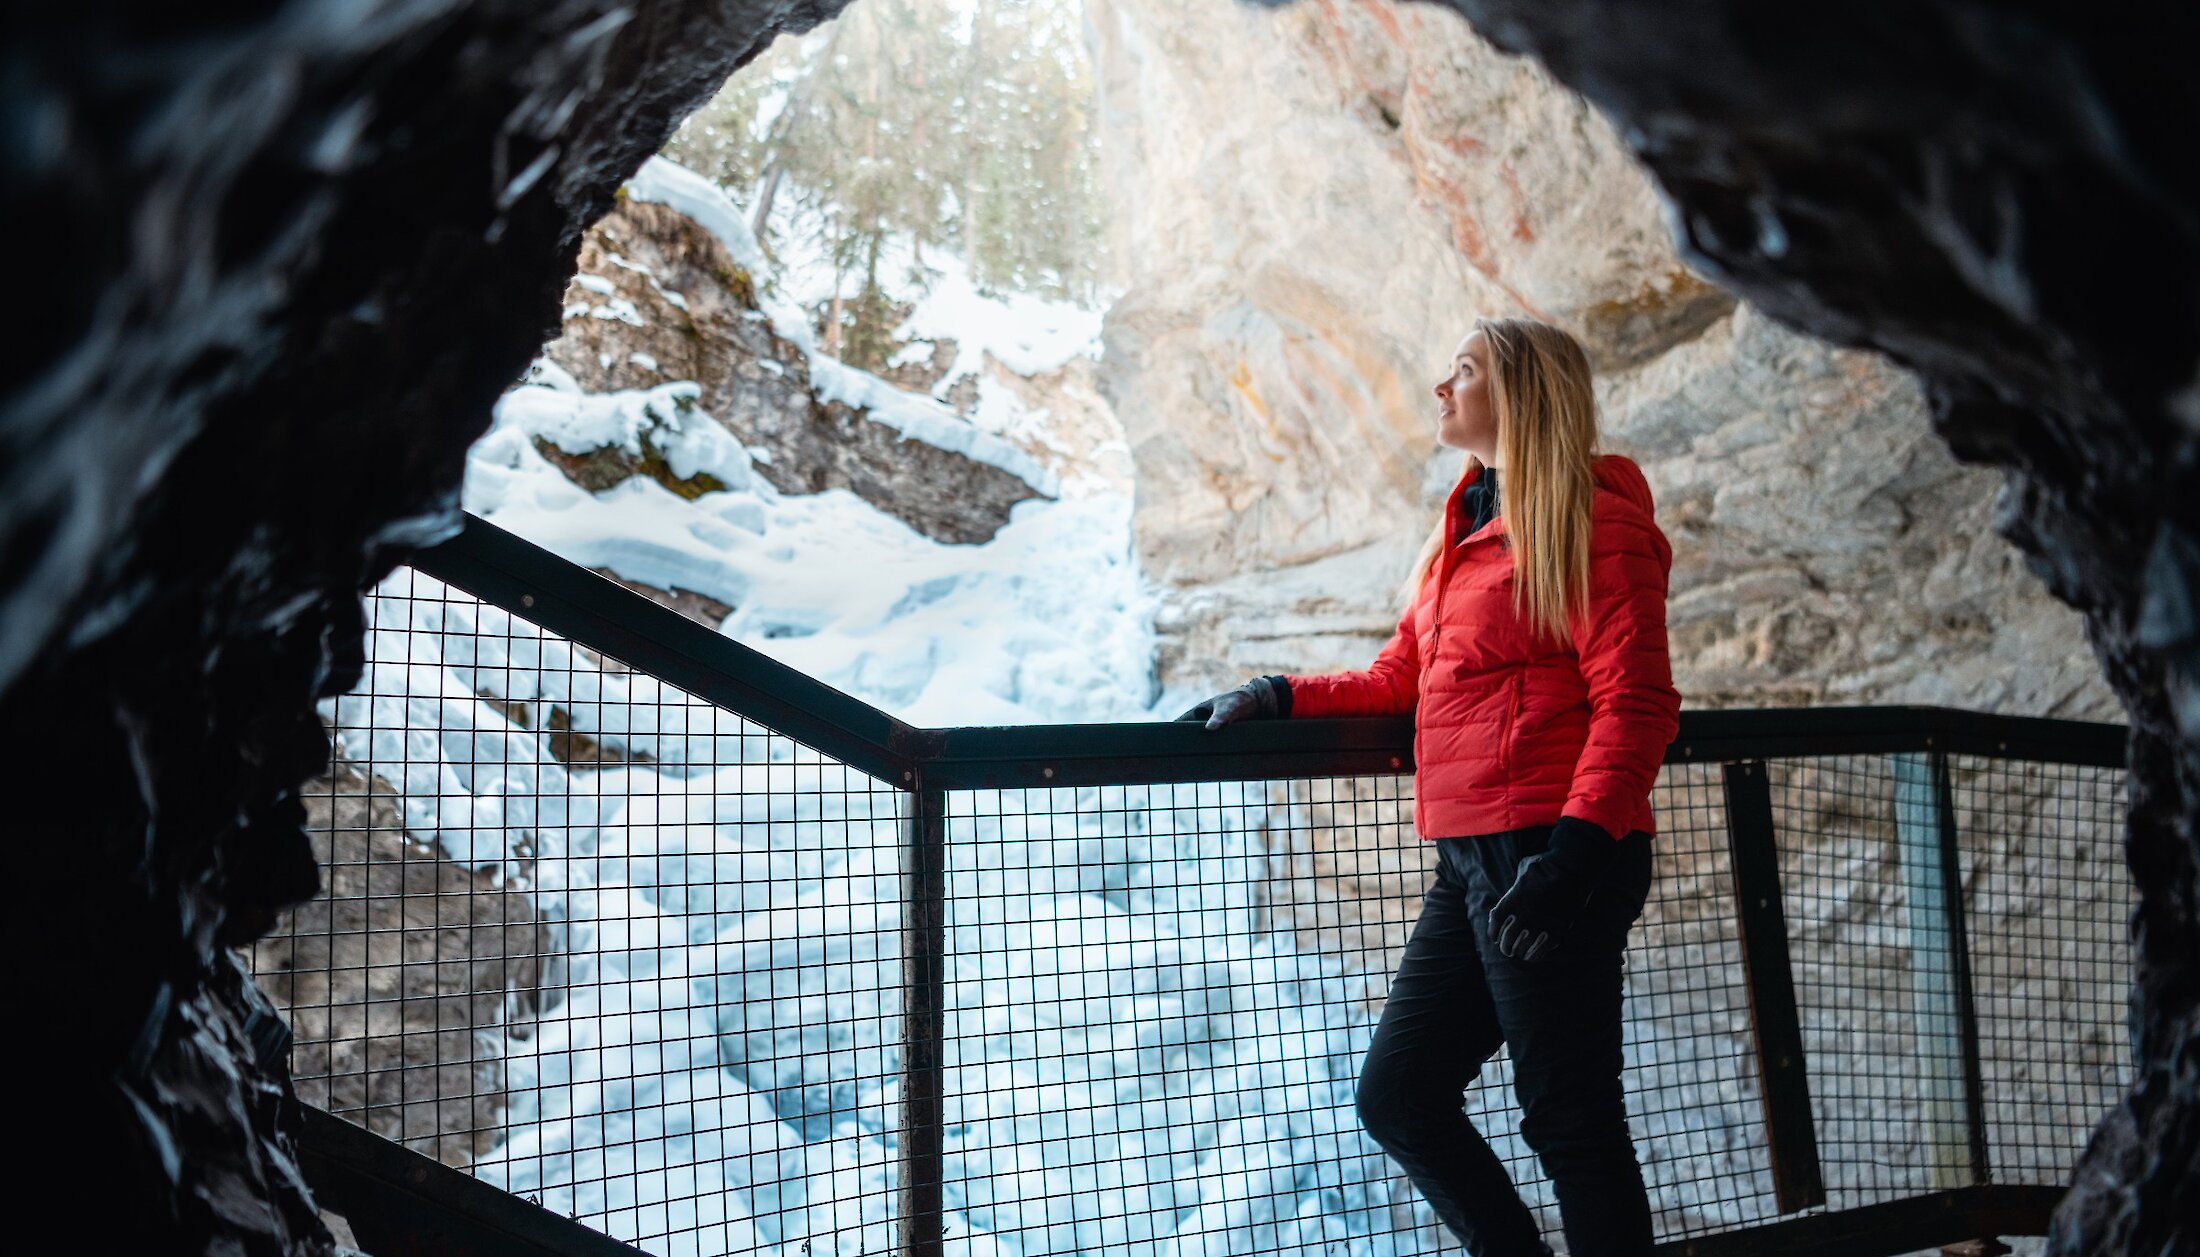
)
(1047, 621)
(660, 297)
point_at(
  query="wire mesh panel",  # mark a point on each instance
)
(604, 945)
(1885, 977)
(2048, 904)
(1159, 998)
(1693, 1095)
(1866, 976)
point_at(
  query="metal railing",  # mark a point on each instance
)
(642, 928)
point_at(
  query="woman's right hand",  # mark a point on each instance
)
(1262, 698)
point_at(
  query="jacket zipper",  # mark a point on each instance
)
(1443, 565)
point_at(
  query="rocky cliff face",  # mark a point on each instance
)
(1296, 288)
(1826, 546)
(1280, 455)
(658, 298)
(390, 975)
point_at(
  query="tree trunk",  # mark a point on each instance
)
(782, 132)
(972, 203)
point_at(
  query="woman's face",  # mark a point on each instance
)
(1464, 418)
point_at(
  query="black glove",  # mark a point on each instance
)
(1533, 919)
(1262, 698)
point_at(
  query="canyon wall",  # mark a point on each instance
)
(1316, 202)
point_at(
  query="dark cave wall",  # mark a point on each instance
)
(282, 257)
(2007, 199)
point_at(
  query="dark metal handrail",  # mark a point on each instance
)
(399, 1201)
(575, 603)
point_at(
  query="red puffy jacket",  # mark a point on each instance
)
(1509, 732)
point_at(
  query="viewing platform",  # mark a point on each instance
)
(637, 940)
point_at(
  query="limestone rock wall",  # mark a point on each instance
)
(1295, 290)
(1827, 548)
(1272, 426)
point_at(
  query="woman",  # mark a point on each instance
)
(1532, 655)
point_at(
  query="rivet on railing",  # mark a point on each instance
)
(1395, 761)
(527, 600)
(1047, 773)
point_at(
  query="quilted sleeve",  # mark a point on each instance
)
(1389, 687)
(1634, 711)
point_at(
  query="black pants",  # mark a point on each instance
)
(1455, 999)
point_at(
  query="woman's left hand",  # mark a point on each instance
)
(1549, 891)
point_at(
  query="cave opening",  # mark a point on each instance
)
(253, 417)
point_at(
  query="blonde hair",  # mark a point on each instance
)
(1546, 438)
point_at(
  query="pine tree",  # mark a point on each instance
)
(948, 124)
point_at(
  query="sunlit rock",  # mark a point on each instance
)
(1295, 290)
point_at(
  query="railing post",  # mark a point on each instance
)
(1949, 1084)
(1783, 1072)
(922, 1169)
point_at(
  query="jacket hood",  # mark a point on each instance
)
(1618, 473)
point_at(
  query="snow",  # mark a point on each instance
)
(617, 308)
(1029, 335)
(719, 1073)
(921, 419)
(666, 182)
(1047, 622)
